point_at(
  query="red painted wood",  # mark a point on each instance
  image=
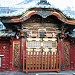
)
(11, 57)
(60, 50)
(21, 56)
(72, 56)
(62, 54)
(66, 67)
(33, 62)
(59, 45)
(5, 50)
(23, 48)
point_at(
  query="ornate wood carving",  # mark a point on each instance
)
(66, 54)
(16, 54)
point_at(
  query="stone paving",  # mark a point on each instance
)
(42, 73)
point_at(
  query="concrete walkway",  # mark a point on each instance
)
(42, 73)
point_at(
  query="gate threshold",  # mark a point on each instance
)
(54, 73)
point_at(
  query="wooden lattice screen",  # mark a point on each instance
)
(41, 61)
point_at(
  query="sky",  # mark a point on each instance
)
(9, 2)
(58, 3)
(63, 3)
(26, 4)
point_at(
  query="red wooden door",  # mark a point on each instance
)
(5, 59)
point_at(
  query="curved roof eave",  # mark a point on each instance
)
(56, 13)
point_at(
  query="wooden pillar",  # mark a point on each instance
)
(62, 54)
(72, 54)
(59, 45)
(11, 48)
(23, 48)
(60, 49)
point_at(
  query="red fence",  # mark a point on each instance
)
(41, 62)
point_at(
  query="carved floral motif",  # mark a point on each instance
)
(17, 54)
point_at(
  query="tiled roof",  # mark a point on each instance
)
(7, 34)
(20, 8)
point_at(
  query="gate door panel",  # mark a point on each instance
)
(5, 59)
(41, 55)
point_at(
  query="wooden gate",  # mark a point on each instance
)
(41, 61)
